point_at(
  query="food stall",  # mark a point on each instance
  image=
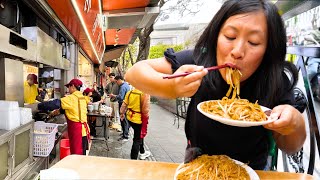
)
(23, 51)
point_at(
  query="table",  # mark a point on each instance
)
(93, 167)
(104, 125)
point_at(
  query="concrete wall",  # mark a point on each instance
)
(172, 105)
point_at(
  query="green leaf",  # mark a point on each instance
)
(158, 50)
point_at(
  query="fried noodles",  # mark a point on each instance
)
(233, 78)
(234, 108)
(212, 168)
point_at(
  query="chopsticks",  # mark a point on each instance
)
(209, 69)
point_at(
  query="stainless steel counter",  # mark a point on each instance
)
(32, 170)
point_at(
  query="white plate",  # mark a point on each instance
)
(59, 174)
(253, 175)
(238, 123)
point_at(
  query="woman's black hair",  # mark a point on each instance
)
(269, 76)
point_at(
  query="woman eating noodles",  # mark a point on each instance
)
(250, 35)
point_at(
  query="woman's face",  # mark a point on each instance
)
(242, 41)
(71, 89)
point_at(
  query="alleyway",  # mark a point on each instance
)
(164, 140)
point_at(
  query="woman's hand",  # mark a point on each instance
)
(289, 130)
(288, 121)
(188, 85)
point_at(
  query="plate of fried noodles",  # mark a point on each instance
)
(215, 167)
(234, 111)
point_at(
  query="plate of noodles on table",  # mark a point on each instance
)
(215, 167)
(235, 111)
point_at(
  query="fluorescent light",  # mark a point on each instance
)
(76, 8)
(103, 39)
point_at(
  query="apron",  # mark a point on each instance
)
(75, 132)
(144, 118)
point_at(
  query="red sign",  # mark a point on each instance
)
(124, 36)
(81, 18)
(123, 4)
(88, 12)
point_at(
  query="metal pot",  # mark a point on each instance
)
(40, 116)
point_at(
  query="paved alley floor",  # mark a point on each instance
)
(165, 141)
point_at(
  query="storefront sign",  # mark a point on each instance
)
(29, 69)
(82, 19)
(88, 12)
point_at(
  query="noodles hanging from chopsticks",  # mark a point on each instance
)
(213, 168)
(234, 108)
(233, 78)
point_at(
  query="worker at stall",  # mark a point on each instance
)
(88, 92)
(75, 107)
(31, 89)
(96, 96)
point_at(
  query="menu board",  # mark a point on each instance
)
(29, 69)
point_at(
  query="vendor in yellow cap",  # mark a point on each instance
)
(75, 107)
(31, 89)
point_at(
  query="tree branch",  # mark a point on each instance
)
(123, 60)
(130, 56)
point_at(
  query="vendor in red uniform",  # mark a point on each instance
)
(75, 107)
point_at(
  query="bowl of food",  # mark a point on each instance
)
(215, 167)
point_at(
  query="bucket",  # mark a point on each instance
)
(64, 148)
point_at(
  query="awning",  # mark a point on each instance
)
(124, 19)
(292, 8)
(111, 54)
